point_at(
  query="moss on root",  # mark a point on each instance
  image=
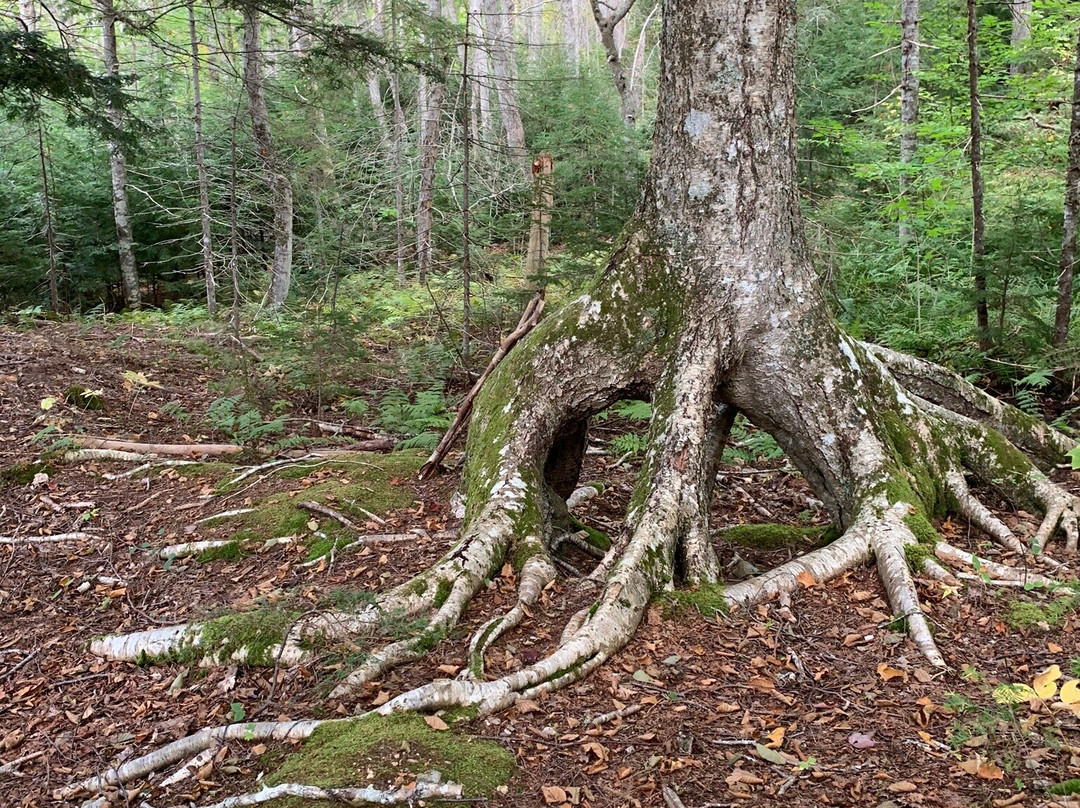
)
(772, 536)
(595, 537)
(345, 754)
(231, 551)
(23, 473)
(256, 633)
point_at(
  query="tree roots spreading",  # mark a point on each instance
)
(922, 432)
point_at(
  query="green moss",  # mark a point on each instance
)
(708, 599)
(340, 754)
(924, 531)
(442, 592)
(78, 396)
(1026, 614)
(23, 473)
(1065, 788)
(257, 632)
(594, 537)
(232, 551)
(916, 554)
(428, 639)
(772, 536)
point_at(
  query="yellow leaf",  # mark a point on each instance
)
(1070, 692)
(1013, 694)
(1045, 683)
(776, 738)
(48, 403)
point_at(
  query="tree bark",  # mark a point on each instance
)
(481, 74)
(1067, 263)
(629, 95)
(205, 242)
(909, 107)
(273, 168)
(500, 46)
(1020, 10)
(568, 15)
(978, 218)
(129, 276)
(374, 77)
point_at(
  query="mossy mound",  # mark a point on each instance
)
(258, 631)
(81, 397)
(708, 599)
(377, 750)
(23, 473)
(771, 536)
(232, 551)
(375, 482)
(1027, 614)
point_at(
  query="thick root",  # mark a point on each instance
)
(349, 796)
(996, 572)
(967, 505)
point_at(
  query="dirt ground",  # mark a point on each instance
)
(824, 704)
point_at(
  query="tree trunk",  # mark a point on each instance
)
(568, 15)
(481, 73)
(28, 14)
(374, 77)
(1021, 32)
(129, 276)
(539, 222)
(400, 131)
(499, 45)
(909, 107)
(1072, 209)
(629, 96)
(978, 218)
(534, 29)
(708, 305)
(200, 168)
(276, 179)
(50, 233)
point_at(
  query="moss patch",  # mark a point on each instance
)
(23, 473)
(1026, 614)
(594, 537)
(773, 536)
(1065, 788)
(340, 755)
(81, 397)
(232, 551)
(257, 632)
(708, 599)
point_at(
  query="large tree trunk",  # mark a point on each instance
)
(277, 179)
(125, 241)
(1072, 209)
(200, 168)
(909, 106)
(708, 305)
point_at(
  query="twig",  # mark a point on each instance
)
(529, 318)
(21, 664)
(630, 709)
(8, 768)
(223, 515)
(146, 467)
(671, 799)
(56, 538)
(325, 510)
(270, 465)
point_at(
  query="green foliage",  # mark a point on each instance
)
(747, 444)
(241, 421)
(708, 599)
(422, 418)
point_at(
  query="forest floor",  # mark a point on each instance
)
(827, 704)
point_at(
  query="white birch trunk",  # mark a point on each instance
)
(500, 38)
(125, 241)
(909, 105)
(200, 168)
(276, 179)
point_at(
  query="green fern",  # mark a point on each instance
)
(421, 421)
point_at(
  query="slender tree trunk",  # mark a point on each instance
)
(534, 29)
(978, 218)
(540, 222)
(1067, 264)
(466, 202)
(50, 235)
(28, 14)
(568, 14)
(400, 130)
(129, 276)
(481, 73)
(234, 244)
(498, 28)
(276, 178)
(374, 77)
(1021, 31)
(909, 107)
(629, 99)
(200, 168)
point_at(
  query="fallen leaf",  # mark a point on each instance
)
(806, 578)
(771, 755)
(435, 722)
(553, 795)
(258, 749)
(380, 698)
(888, 673)
(526, 706)
(902, 787)
(1045, 684)
(776, 738)
(449, 670)
(1070, 692)
(726, 707)
(1054, 648)
(862, 740)
(313, 524)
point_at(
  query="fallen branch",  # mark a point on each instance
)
(191, 548)
(9, 768)
(529, 318)
(103, 454)
(187, 747)
(223, 515)
(143, 467)
(349, 796)
(182, 449)
(56, 538)
(628, 710)
(366, 440)
(325, 510)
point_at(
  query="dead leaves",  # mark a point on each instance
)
(985, 769)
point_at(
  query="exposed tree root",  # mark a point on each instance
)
(347, 796)
(55, 538)
(182, 449)
(185, 748)
(79, 455)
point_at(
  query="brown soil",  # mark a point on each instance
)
(745, 709)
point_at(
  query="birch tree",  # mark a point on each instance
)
(1067, 264)
(909, 106)
(125, 240)
(205, 241)
(277, 179)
